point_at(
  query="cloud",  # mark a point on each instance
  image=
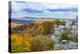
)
(29, 10)
(63, 10)
(37, 10)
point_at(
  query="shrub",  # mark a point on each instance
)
(40, 43)
(73, 37)
(64, 36)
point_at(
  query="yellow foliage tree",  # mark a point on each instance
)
(17, 44)
(16, 39)
(27, 39)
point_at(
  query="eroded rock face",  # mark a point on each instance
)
(71, 45)
(64, 44)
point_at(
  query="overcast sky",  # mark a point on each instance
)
(22, 10)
